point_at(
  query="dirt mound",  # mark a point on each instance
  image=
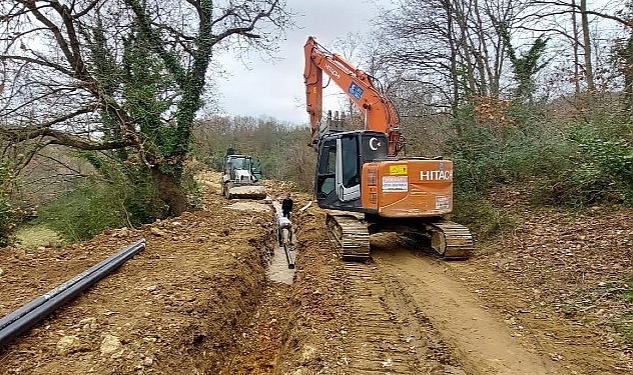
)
(544, 299)
(177, 307)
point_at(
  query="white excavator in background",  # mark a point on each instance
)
(241, 177)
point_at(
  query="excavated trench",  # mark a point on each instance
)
(281, 267)
(257, 347)
(200, 299)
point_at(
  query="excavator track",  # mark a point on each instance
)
(450, 240)
(350, 236)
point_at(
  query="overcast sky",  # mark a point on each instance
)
(276, 89)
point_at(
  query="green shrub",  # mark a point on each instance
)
(519, 148)
(623, 291)
(586, 185)
(12, 209)
(479, 215)
(7, 221)
(85, 212)
(193, 187)
(125, 196)
(600, 170)
(624, 327)
(569, 164)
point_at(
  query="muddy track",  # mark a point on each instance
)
(405, 316)
(389, 334)
(478, 338)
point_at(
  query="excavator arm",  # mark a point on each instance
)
(379, 113)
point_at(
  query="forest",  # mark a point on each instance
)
(105, 120)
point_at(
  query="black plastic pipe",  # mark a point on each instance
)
(291, 264)
(28, 315)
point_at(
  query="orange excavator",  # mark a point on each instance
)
(366, 187)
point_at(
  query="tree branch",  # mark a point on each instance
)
(577, 8)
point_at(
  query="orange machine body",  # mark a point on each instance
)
(407, 188)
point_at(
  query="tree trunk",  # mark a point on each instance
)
(587, 47)
(170, 191)
(628, 74)
(575, 45)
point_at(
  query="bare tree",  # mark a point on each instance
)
(457, 48)
(546, 17)
(453, 46)
(584, 21)
(124, 75)
(623, 56)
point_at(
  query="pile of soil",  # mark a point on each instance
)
(176, 307)
(548, 298)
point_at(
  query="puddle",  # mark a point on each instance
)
(278, 270)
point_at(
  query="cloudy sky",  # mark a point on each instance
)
(276, 89)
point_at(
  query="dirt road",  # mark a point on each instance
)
(197, 301)
(409, 313)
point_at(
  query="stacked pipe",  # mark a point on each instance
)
(28, 315)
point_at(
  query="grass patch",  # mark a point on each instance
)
(622, 290)
(480, 216)
(624, 327)
(36, 235)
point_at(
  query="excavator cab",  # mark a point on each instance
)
(340, 162)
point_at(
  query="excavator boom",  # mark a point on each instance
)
(379, 114)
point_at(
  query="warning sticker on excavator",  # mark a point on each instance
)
(442, 202)
(395, 170)
(395, 183)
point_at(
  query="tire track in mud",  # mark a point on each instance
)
(387, 333)
(478, 338)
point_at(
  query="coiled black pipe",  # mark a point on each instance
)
(28, 315)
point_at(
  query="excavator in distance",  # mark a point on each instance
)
(241, 176)
(360, 179)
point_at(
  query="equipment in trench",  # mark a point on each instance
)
(361, 178)
(284, 236)
(28, 315)
(241, 176)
